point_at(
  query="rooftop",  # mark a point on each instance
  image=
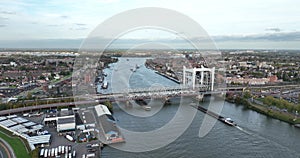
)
(102, 110)
(8, 123)
(66, 120)
(19, 120)
(64, 112)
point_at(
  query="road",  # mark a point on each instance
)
(5, 150)
(44, 106)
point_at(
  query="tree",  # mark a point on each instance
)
(35, 153)
(109, 105)
(29, 96)
(285, 77)
(42, 77)
(247, 95)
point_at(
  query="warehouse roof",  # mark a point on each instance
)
(8, 123)
(19, 120)
(102, 110)
(28, 124)
(66, 120)
(35, 140)
(2, 118)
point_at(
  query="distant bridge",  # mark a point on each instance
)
(155, 92)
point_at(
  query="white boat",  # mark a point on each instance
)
(105, 85)
(229, 122)
(297, 125)
(133, 69)
(147, 108)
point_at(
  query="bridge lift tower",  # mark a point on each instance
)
(207, 77)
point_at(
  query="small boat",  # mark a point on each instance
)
(105, 85)
(168, 102)
(100, 79)
(137, 66)
(147, 108)
(297, 125)
(143, 104)
(133, 69)
(229, 121)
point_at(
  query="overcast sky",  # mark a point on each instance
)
(271, 24)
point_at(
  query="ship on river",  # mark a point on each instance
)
(105, 85)
(135, 68)
(225, 120)
(143, 104)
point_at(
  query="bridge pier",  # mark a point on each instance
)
(167, 100)
(128, 104)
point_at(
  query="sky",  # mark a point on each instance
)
(247, 24)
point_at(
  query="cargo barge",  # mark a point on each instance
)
(225, 120)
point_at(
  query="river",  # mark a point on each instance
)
(256, 136)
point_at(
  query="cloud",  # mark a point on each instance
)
(3, 25)
(109, 1)
(3, 18)
(274, 29)
(78, 28)
(41, 43)
(130, 43)
(279, 36)
(80, 24)
(64, 16)
(54, 25)
(7, 12)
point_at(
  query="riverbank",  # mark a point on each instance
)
(168, 77)
(283, 116)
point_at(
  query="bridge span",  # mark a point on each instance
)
(132, 94)
(153, 92)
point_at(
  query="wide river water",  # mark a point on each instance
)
(256, 136)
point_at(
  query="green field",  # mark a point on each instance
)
(16, 143)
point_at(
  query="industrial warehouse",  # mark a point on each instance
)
(30, 131)
(111, 132)
(65, 132)
(64, 120)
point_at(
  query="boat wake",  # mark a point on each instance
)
(245, 131)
